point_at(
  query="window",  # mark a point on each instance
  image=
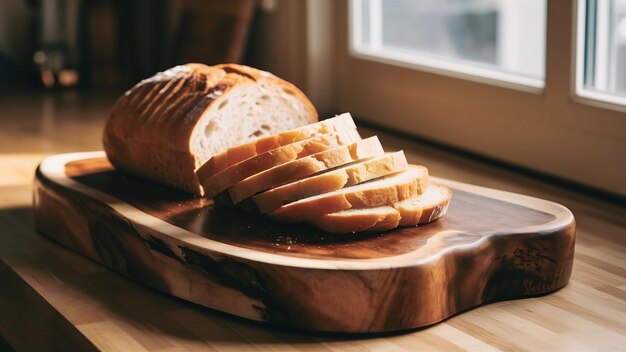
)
(601, 70)
(441, 69)
(500, 40)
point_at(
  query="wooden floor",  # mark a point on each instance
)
(51, 298)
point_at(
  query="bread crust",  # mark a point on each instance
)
(223, 180)
(332, 180)
(234, 155)
(166, 105)
(374, 195)
(386, 217)
(151, 125)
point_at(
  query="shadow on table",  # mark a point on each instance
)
(4, 346)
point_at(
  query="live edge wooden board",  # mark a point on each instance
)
(491, 246)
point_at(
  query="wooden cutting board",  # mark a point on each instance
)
(491, 245)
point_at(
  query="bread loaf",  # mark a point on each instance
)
(246, 137)
(168, 125)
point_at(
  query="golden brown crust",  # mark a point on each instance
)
(150, 126)
(154, 166)
(156, 108)
(250, 72)
(155, 120)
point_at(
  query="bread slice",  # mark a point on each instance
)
(332, 180)
(304, 167)
(427, 208)
(219, 182)
(422, 209)
(168, 125)
(383, 191)
(234, 155)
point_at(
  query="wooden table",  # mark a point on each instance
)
(51, 298)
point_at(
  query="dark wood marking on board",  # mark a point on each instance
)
(242, 277)
(158, 245)
(72, 214)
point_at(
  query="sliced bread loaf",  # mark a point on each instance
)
(168, 125)
(234, 155)
(332, 180)
(304, 167)
(422, 209)
(383, 191)
(219, 182)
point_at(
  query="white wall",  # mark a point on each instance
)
(293, 40)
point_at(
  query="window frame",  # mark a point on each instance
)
(452, 68)
(552, 130)
(586, 96)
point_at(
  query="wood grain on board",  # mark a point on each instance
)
(490, 246)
